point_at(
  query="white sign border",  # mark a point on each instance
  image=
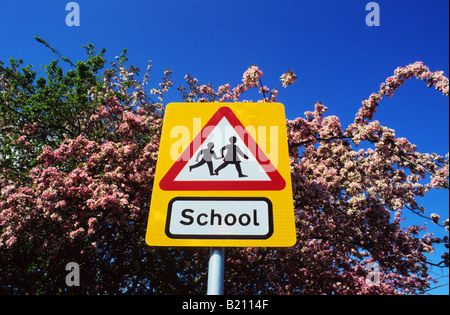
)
(220, 236)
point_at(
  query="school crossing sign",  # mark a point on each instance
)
(222, 177)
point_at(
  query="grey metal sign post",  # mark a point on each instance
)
(216, 270)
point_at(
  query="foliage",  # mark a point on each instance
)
(78, 151)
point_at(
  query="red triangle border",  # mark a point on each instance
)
(276, 182)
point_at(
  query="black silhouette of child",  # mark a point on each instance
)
(208, 154)
(232, 157)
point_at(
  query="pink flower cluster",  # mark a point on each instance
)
(288, 78)
(355, 199)
(251, 79)
(83, 185)
(418, 70)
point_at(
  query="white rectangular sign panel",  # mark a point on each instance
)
(219, 218)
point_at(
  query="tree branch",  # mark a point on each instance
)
(421, 215)
(415, 164)
(318, 139)
(262, 89)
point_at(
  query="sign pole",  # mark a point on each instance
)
(216, 270)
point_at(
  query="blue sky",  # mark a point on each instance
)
(338, 58)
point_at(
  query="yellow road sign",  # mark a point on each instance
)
(222, 177)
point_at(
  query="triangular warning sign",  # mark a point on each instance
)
(223, 156)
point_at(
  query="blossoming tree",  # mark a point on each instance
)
(78, 151)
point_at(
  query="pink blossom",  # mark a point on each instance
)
(207, 90)
(263, 89)
(288, 78)
(435, 218)
(251, 76)
(30, 129)
(76, 233)
(238, 90)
